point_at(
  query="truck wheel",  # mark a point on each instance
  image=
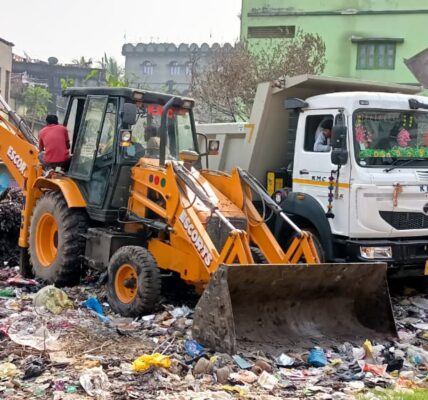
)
(56, 241)
(134, 282)
(258, 256)
(316, 240)
(317, 243)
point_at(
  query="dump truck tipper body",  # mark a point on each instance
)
(375, 206)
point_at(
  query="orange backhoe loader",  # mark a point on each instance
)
(136, 201)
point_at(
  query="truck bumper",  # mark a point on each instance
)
(409, 254)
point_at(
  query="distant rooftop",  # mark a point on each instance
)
(6, 42)
(170, 47)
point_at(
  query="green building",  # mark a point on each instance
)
(366, 39)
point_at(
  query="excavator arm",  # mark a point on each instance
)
(19, 153)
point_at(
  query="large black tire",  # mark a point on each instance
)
(134, 281)
(56, 240)
(316, 239)
(258, 256)
(317, 242)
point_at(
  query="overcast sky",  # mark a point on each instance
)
(69, 29)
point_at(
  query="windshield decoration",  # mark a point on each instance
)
(390, 136)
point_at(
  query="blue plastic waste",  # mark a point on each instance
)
(317, 357)
(94, 305)
(193, 348)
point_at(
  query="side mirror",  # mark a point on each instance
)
(339, 156)
(338, 137)
(213, 147)
(129, 114)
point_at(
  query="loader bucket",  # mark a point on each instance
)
(287, 306)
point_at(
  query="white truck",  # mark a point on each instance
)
(365, 199)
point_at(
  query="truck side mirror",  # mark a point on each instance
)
(338, 137)
(339, 154)
(129, 114)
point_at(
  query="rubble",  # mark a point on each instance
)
(84, 351)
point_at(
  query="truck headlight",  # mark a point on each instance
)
(376, 252)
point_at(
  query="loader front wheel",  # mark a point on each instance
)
(134, 282)
(56, 241)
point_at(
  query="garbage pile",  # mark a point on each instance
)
(66, 344)
(11, 203)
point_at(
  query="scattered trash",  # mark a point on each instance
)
(95, 382)
(223, 374)
(203, 366)
(193, 348)
(180, 312)
(53, 299)
(317, 357)
(242, 363)
(8, 370)
(34, 369)
(7, 293)
(284, 361)
(46, 355)
(244, 376)
(33, 334)
(379, 370)
(144, 362)
(94, 305)
(267, 381)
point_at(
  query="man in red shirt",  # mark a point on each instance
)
(54, 144)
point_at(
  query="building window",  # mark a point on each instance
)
(379, 55)
(271, 32)
(147, 68)
(189, 67)
(174, 68)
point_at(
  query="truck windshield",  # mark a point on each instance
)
(391, 138)
(146, 132)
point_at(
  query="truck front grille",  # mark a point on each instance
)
(405, 220)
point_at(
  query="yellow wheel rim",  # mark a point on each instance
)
(126, 283)
(46, 239)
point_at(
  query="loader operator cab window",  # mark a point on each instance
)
(146, 132)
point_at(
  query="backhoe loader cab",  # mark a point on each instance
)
(111, 129)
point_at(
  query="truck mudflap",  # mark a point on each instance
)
(287, 306)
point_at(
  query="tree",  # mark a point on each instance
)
(114, 73)
(82, 62)
(226, 87)
(36, 100)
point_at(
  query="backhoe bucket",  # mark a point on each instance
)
(268, 307)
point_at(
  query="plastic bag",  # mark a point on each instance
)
(144, 362)
(53, 299)
(95, 382)
(8, 370)
(193, 348)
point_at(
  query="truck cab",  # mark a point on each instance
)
(373, 203)
(366, 197)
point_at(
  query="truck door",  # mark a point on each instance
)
(313, 169)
